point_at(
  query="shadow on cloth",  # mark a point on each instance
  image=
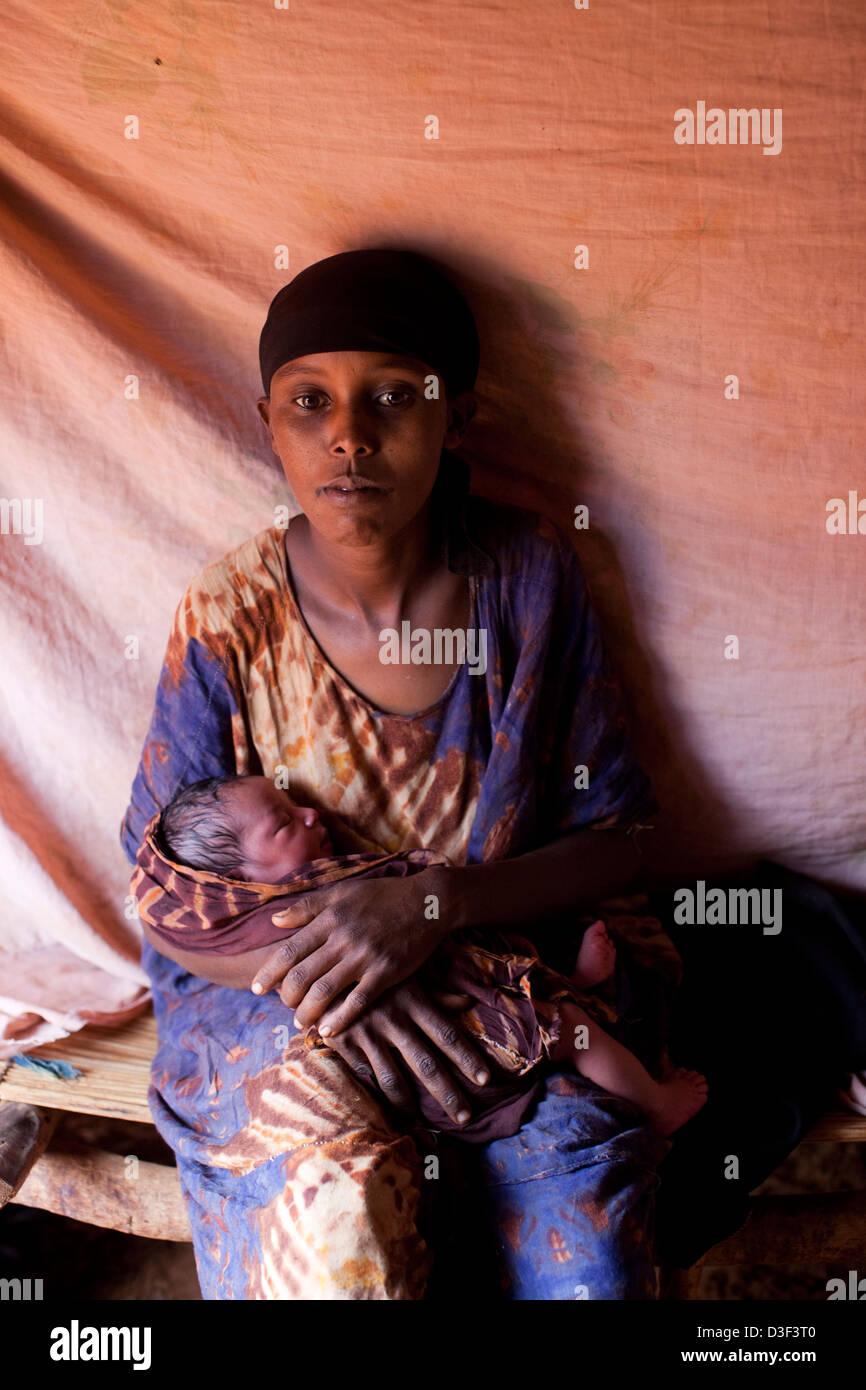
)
(775, 1022)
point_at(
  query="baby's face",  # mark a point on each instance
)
(277, 836)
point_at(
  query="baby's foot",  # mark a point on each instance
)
(678, 1099)
(596, 957)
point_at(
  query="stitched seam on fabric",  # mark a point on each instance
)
(342, 1141)
(501, 1047)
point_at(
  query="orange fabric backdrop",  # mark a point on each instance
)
(499, 138)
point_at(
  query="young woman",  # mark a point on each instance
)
(300, 1168)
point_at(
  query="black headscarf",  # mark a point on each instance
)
(375, 300)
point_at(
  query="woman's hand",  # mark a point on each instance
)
(370, 934)
(406, 1024)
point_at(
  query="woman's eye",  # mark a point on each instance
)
(314, 396)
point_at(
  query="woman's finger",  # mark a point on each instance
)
(300, 912)
(311, 986)
(350, 1009)
(367, 990)
(447, 1036)
(376, 1067)
(286, 955)
(422, 1059)
(390, 1081)
(355, 1060)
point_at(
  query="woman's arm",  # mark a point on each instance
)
(190, 737)
(191, 726)
(238, 972)
(572, 873)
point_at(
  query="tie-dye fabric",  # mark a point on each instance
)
(299, 1184)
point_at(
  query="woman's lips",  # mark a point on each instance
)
(353, 487)
(354, 497)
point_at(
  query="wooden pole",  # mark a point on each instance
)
(24, 1132)
(105, 1189)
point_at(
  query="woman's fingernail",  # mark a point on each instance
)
(482, 1077)
(325, 1032)
(257, 989)
(462, 1117)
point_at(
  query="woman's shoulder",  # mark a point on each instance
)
(241, 577)
(522, 543)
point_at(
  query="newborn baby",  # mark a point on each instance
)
(244, 829)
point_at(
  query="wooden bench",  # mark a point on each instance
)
(83, 1182)
(92, 1185)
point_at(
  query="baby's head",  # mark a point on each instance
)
(243, 828)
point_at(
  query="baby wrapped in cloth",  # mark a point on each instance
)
(522, 1012)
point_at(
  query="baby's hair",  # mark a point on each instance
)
(196, 828)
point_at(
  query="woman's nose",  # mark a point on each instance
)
(352, 432)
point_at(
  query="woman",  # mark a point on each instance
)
(299, 1166)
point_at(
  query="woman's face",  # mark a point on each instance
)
(359, 440)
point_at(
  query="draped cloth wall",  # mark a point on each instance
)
(694, 377)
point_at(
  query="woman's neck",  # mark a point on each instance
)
(377, 582)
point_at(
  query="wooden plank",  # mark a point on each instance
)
(105, 1189)
(115, 1063)
(24, 1132)
(838, 1127)
(678, 1284)
(811, 1228)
